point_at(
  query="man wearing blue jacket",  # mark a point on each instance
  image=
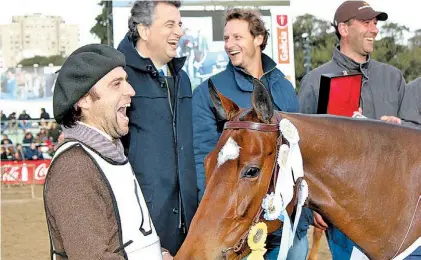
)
(245, 38)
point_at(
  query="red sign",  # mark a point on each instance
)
(283, 46)
(282, 35)
(282, 20)
(28, 172)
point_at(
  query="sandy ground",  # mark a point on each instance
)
(24, 233)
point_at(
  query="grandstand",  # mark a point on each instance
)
(43, 133)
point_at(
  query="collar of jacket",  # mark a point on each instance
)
(349, 64)
(113, 151)
(133, 59)
(244, 79)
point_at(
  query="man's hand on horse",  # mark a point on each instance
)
(167, 256)
(319, 222)
(391, 119)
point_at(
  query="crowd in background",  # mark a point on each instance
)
(40, 136)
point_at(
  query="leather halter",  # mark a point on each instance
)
(240, 246)
(251, 126)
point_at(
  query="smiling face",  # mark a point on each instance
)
(106, 110)
(359, 37)
(240, 45)
(162, 36)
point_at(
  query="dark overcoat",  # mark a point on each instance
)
(160, 144)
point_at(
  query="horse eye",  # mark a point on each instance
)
(251, 172)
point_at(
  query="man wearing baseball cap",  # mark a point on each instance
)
(358, 10)
(93, 203)
(382, 92)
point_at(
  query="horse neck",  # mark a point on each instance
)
(346, 170)
(324, 156)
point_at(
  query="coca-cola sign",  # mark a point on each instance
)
(41, 171)
(28, 172)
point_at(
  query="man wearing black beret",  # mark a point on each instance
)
(93, 203)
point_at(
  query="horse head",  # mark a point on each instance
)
(239, 174)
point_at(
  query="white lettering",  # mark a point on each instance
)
(13, 175)
(362, 7)
(41, 171)
(283, 46)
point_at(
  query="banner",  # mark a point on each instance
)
(200, 44)
(28, 88)
(28, 172)
(283, 46)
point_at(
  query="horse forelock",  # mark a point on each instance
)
(230, 151)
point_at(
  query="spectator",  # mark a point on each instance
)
(3, 116)
(42, 136)
(6, 140)
(44, 114)
(3, 121)
(23, 117)
(3, 153)
(33, 153)
(60, 139)
(40, 150)
(11, 151)
(49, 149)
(12, 120)
(18, 152)
(7, 152)
(54, 132)
(43, 124)
(12, 116)
(29, 138)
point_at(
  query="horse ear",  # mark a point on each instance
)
(225, 108)
(262, 102)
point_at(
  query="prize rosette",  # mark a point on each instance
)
(256, 241)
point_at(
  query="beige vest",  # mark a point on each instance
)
(139, 236)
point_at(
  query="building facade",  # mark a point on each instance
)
(36, 35)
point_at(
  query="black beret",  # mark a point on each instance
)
(80, 72)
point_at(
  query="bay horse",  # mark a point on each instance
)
(364, 177)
